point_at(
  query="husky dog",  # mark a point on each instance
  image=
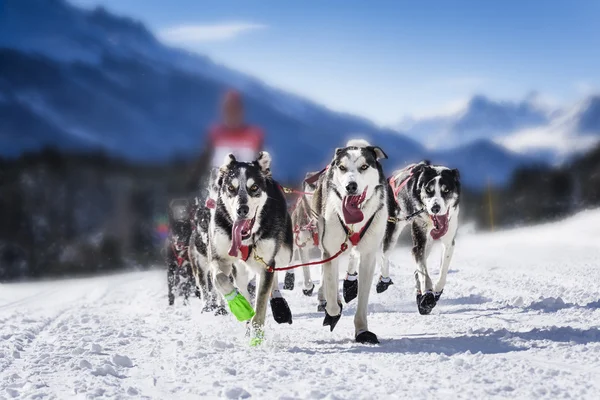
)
(250, 223)
(200, 247)
(306, 234)
(350, 200)
(427, 198)
(179, 271)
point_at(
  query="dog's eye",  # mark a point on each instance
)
(364, 167)
(429, 189)
(342, 168)
(231, 188)
(254, 188)
(445, 189)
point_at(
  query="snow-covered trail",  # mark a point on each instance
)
(519, 318)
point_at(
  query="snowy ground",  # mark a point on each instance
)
(520, 318)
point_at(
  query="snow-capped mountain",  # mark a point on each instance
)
(480, 118)
(529, 128)
(88, 80)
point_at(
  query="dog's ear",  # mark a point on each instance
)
(264, 162)
(338, 150)
(227, 163)
(456, 174)
(379, 153)
(229, 159)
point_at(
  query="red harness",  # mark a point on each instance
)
(180, 254)
(355, 237)
(397, 186)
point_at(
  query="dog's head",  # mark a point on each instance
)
(438, 189)
(179, 209)
(309, 185)
(355, 173)
(242, 189)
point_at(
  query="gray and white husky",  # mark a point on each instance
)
(200, 248)
(427, 198)
(250, 223)
(306, 234)
(350, 200)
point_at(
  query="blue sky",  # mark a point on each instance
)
(388, 59)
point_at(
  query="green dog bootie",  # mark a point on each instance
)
(258, 337)
(239, 306)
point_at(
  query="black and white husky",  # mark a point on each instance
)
(427, 198)
(350, 200)
(250, 223)
(179, 271)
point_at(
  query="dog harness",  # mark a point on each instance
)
(181, 252)
(355, 237)
(397, 186)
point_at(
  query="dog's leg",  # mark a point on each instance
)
(321, 293)
(421, 249)
(350, 287)
(264, 288)
(239, 306)
(289, 280)
(446, 258)
(333, 308)
(279, 306)
(187, 284)
(309, 286)
(171, 283)
(389, 243)
(241, 279)
(366, 272)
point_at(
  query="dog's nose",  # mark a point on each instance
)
(243, 211)
(351, 188)
(436, 208)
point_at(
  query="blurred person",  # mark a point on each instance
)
(232, 135)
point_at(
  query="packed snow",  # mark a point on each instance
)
(519, 318)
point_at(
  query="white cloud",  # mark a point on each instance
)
(188, 34)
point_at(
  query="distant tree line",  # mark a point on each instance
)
(71, 214)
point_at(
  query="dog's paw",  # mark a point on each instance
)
(321, 306)
(288, 282)
(437, 295)
(425, 303)
(367, 337)
(239, 306)
(350, 289)
(309, 292)
(258, 337)
(383, 285)
(281, 311)
(332, 321)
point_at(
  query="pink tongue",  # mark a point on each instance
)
(236, 237)
(350, 204)
(441, 226)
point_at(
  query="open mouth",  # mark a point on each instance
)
(351, 207)
(241, 230)
(440, 225)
